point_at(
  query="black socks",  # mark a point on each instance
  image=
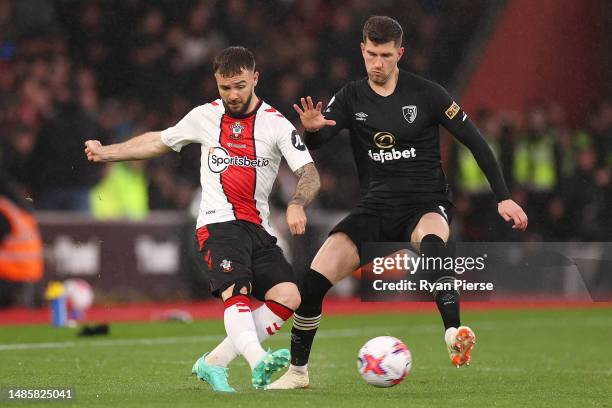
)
(446, 300)
(307, 317)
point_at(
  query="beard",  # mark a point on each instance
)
(239, 109)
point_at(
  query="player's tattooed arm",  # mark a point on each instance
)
(308, 185)
(306, 190)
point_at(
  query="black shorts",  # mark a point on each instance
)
(373, 225)
(239, 250)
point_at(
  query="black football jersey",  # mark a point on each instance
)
(395, 139)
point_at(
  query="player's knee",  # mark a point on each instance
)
(337, 258)
(430, 224)
(287, 294)
(239, 287)
(291, 299)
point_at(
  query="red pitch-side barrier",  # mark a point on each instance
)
(213, 309)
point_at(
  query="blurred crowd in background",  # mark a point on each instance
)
(108, 70)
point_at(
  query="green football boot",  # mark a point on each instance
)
(270, 363)
(215, 375)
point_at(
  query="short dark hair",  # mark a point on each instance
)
(382, 29)
(232, 60)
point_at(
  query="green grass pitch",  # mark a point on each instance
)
(523, 358)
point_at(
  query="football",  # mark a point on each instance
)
(79, 294)
(384, 361)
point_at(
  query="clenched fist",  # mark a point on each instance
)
(93, 150)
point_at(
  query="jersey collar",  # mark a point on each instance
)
(395, 91)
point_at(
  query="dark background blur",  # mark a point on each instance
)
(77, 70)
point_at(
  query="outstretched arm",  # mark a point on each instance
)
(457, 122)
(307, 188)
(141, 147)
(469, 135)
(465, 131)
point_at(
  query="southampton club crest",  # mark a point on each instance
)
(410, 113)
(226, 264)
(237, 129)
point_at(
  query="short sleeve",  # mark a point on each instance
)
(187, 130)
(292, 146)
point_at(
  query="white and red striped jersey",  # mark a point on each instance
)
(240, 159)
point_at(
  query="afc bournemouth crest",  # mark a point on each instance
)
(410, 113)
(226, 264)
(237, 129)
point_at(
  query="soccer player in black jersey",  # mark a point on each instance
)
(393, 117)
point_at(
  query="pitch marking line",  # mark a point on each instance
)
(322, 334)
(177, 340)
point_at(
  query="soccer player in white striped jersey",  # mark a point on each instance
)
(243, 140)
